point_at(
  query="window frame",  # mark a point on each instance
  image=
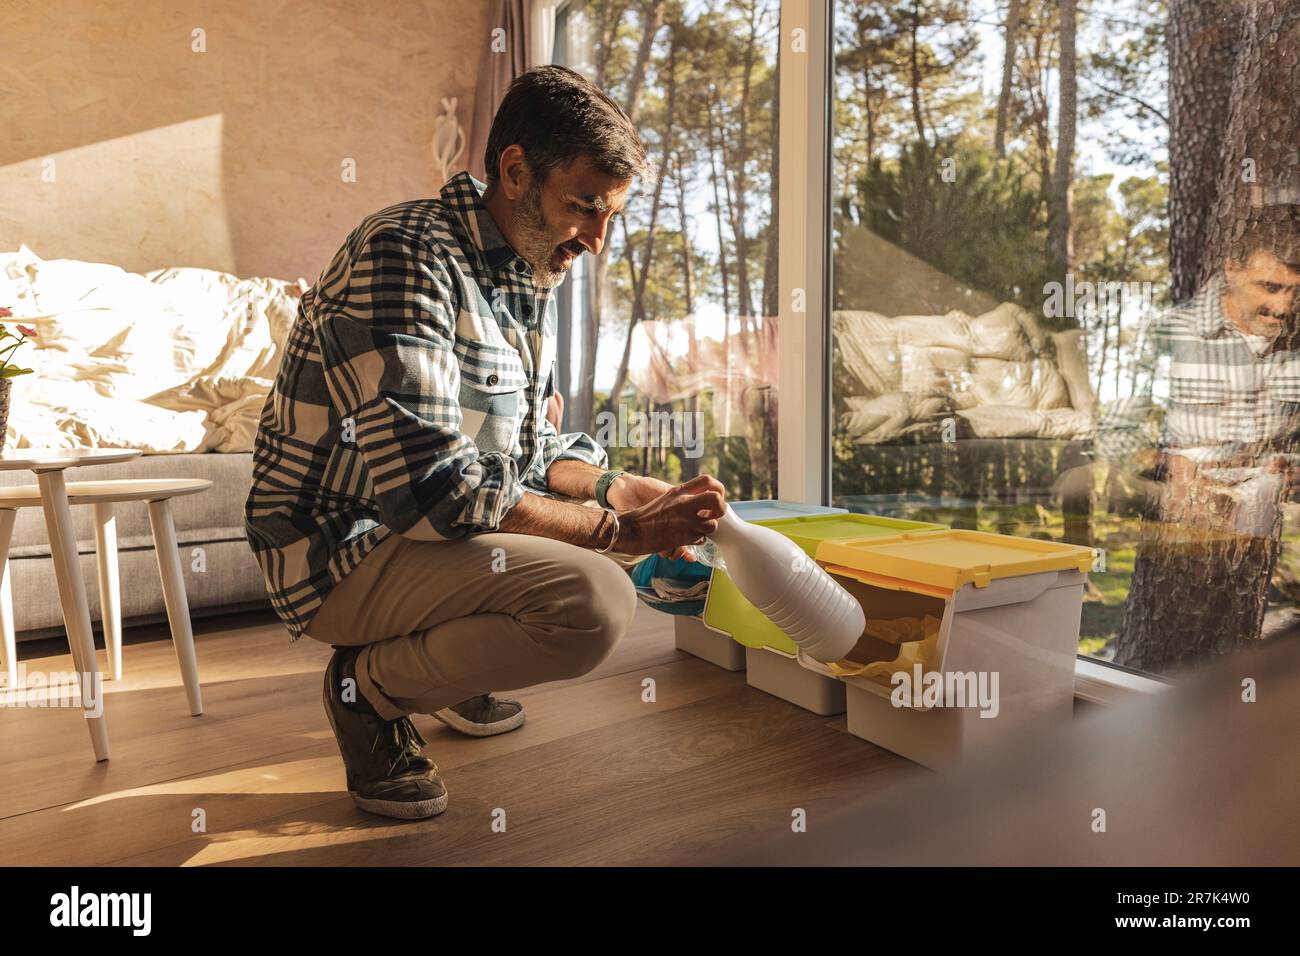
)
(803, 268)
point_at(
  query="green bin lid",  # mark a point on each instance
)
(808, 531)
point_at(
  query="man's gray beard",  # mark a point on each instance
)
(534, 238)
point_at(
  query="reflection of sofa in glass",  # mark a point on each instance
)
(985, 405)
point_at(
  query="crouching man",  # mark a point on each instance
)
(408, 492)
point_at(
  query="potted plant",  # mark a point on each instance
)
(8, 370)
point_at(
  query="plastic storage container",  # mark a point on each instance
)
(989, 622)
(778, 672)
(693, 637)
(690, 633)
(767, 509)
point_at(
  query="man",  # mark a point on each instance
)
(1219, 458)
(1230, 362)
(407, 498)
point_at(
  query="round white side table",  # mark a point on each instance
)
(48, 465)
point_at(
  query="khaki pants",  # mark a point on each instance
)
(442, 621)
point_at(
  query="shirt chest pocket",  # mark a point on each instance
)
(1284, 389)
(493, 394)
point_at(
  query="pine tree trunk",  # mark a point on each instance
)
(652, 18)
(1008, 72)
(714, 177)
(1063, 176)
(915, 62)
(1203, 38)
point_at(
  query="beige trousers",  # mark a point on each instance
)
(442, 621)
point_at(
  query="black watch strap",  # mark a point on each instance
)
(602, 487)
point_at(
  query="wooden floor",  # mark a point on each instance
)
(596, 775)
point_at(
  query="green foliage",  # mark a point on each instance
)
(8, 370)
(981, 225)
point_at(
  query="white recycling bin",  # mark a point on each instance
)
(971, 639)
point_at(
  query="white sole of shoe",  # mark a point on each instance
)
(418, 810)
(456, 722)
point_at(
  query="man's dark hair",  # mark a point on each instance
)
(557, 115)
(1274, 229)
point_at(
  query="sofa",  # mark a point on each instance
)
(175, 362)
(996, 375)
(990, 406)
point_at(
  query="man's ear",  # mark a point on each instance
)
(1231, 268)
(514, 174)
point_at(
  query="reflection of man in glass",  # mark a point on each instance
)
(1223, 457)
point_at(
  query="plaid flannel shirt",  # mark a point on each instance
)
(1224, 397)
(410, 400)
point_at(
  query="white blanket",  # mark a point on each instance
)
(176, 360)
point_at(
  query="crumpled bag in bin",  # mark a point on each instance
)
(916, 638)
(674, 586)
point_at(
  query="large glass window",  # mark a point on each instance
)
(1064, 295)
(671, 332)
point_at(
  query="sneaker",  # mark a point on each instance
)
(386, 771)
(483, 716)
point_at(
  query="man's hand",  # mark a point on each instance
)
(629, 492)
(1194, 499)
(1282, 464)
(668, 522)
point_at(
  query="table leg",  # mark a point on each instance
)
(110, 603)
(7, 635)
(76, 610)
(178, 606)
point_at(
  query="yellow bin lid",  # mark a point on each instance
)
(950, 558)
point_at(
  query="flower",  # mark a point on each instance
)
(7, 369)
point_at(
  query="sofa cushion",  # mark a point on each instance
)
(227, 579)
(213, 515)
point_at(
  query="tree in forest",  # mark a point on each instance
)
(1010, 35)
(1200, 586)
(938, 40)
(1061, 239)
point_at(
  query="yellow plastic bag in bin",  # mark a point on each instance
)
(916, 638)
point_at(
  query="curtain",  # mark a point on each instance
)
(521, 35)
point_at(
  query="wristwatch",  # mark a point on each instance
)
(602, 487)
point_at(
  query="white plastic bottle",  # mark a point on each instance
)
(790, 588)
